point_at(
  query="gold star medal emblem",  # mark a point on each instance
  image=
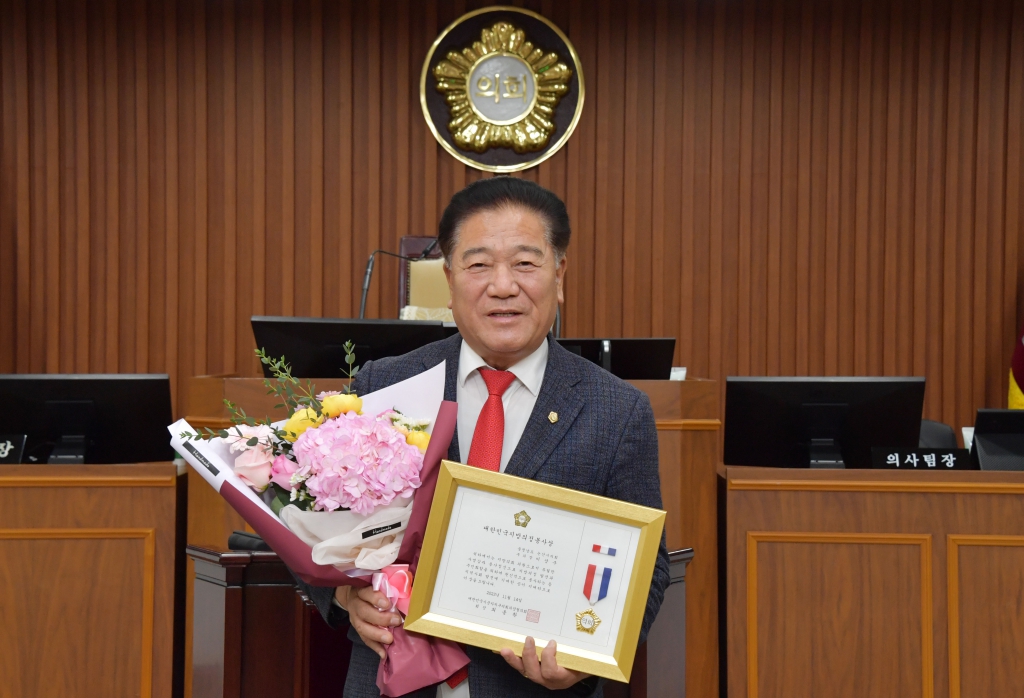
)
(587, 621)
(522, 518)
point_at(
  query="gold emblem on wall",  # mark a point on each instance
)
(502, 89)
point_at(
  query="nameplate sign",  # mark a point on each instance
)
(12, 446)
(921, 459)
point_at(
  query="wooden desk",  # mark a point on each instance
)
(246, 603)
(686, 413)
(874, 583)
(87, 580)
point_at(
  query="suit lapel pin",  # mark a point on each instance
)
(552, 417)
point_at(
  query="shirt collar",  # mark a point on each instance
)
(529, 371)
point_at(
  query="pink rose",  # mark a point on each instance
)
(253, 466)
(281, 471)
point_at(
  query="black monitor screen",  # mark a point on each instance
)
(998, 440)
(112, 418)
(630, 358)
(788, 422)
(315, 346)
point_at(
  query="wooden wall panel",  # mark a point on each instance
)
(869, 605)
(785, 186)
(985, 574)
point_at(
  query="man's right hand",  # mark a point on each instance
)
(368, 615)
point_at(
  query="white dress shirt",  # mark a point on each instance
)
(518, 401)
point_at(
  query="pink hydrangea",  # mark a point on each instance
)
(357, 461)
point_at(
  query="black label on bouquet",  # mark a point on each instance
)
(381, 529)
(201, 458)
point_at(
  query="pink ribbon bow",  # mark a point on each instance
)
(395, 582)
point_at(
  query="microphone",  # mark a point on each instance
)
(369, 271)
(366, 283)
(430, 248)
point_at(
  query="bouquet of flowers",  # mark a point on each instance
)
(341, 490)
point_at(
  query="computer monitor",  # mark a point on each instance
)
(632, 358)
(315, 346)
(819, 422)
(998, 440)
(88, 418)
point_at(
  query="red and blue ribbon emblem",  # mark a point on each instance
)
(596, 592)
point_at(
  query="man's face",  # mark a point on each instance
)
(505, 284)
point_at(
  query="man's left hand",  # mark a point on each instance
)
(546, 672)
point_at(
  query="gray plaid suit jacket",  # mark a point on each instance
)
(604, 442)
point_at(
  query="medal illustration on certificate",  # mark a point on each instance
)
(587, 621)
(595, 588)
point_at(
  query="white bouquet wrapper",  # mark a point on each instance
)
(349, 540)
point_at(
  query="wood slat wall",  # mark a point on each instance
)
(787, 187)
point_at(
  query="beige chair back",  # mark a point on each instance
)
(428, 287)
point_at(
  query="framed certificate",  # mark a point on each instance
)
(505, 558)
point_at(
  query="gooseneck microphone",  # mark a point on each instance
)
(366, 283)
(369, 270)
(429, 248)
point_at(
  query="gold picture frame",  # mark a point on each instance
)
(616, 664)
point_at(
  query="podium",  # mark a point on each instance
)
(91, 585)
(687, 418)
(247, 602)
(874, 583)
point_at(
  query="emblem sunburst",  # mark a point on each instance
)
(502, 91)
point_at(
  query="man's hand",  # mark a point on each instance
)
(546, 672)
(369, 616)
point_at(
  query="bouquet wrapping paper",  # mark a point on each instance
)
(348, 549)
(346, 539)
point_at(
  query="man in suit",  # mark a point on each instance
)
(527, 407)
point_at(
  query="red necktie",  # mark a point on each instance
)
(489, 435)
(485, 451)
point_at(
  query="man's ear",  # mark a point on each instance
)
(560, 279)
(448, 278)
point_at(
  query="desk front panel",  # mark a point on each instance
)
(87, 580)
(867, 583)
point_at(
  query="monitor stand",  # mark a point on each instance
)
(825, 454)
(70, 450)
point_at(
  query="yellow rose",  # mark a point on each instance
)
(300, 421)
(419, 439)
(335, 405)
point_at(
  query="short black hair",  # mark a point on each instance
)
(497, 192)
